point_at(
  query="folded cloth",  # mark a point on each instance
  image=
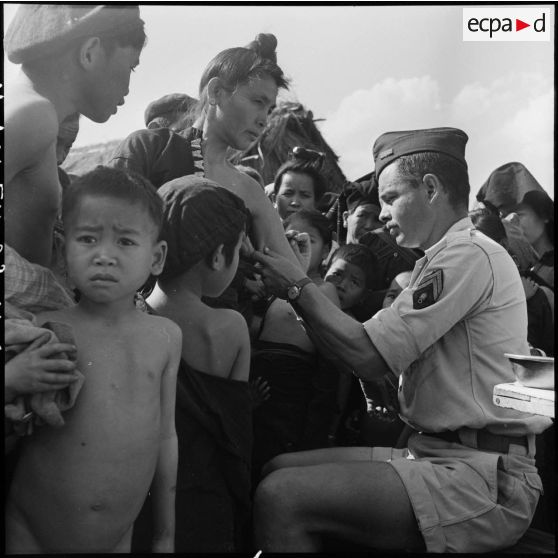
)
(32, 287)
(214, 428)
(47, 406)
(506, 186)
(39, 30)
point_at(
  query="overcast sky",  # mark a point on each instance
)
(365, 70)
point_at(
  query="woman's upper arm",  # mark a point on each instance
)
(267, 225)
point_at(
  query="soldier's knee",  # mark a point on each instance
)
(269, 490)
(275, 493)
(277, 462)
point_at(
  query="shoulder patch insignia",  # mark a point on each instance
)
(428, 290)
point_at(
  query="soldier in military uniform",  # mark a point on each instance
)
(467, 481)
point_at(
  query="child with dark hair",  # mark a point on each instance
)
(319, 231)
(80, 488)
(352, 269)
(204, 226)
(302, 383)
(298, 185)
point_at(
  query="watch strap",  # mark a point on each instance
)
(303, 282)
(299, 285)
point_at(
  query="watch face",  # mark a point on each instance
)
(293, 292)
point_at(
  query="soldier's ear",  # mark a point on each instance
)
(433, 186)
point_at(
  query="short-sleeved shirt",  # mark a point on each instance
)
(447, 332)
(159, 155)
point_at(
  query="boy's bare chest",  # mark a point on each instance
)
(116, 362)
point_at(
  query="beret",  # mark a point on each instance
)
(173, 102)
(360, 193)
(39, 30)
(392, 145)
(506, 186)
(198, 215)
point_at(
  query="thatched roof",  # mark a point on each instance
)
(289, 125)
(83, 159)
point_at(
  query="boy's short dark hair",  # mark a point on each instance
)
(199, 215)
(302, 167)
(360, 256)
(114, 183)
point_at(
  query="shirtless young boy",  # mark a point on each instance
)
(204, 226)
(80, 488)
(73, 59)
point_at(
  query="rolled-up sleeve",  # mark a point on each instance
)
(401, 333)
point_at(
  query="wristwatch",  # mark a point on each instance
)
(293, 292)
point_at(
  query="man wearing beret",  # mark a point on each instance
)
(466, 482)
(169, 111)
(74, 59)
(363, 209)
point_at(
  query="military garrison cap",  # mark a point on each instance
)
(392, 145)
(39, 30)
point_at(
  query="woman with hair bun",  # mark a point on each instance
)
(237, 91)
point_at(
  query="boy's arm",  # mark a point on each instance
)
(239, 331)
(164, 481)
(31, 177)
(30, 129)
